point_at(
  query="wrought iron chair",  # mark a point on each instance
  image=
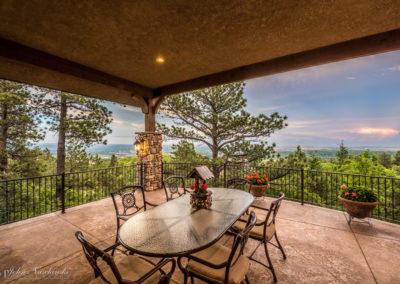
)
(238, 183)
(172, 186)
(129, 204)
(220, 264)
(130, 269)
(263, 231)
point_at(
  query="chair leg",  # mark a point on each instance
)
(191, 279)
(246, 279)
(280, 246)
(185, 279)
(271, 267)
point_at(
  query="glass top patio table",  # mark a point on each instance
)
(175, 228)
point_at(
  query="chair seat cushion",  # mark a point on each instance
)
(218, 254)
(260, 218)
(258, 231)
(131, 268)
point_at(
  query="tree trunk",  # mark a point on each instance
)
(215, 168)
(3, 140)
(61, 141)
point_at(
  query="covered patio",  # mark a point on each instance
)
(139, 52)
(320, 246)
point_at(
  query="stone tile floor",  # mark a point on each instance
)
(320, 246)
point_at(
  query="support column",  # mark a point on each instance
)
(152, 161)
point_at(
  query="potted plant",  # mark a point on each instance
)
(258, 184)
(358, 201)
(200, 196)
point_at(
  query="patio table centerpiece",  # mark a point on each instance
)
(358, 201)
(258, 184)
(200, 196)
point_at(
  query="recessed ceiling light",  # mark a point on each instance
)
(160, 60)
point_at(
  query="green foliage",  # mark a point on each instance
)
(86, 122)
(113, 161)
(314, 163)
(386, 160)
(184, 152)
(127, 161)
(216, 117)
(77, 158)
(296, 160)
(358, 193)
(19, 122)
(366, 164)
(396, 159)
(31, 163)
(342, 154)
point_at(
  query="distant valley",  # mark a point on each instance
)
(124, 150)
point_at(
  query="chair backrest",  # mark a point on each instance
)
(239, 242)
(273, 211)
(172, 185)
(238, 183)
(129, 204)
(92, 254)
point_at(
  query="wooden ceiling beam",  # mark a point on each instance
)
(28, 55)
(379, 43)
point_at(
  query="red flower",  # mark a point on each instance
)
(258, 181)
(343, 186)
(247, 177)
(204, 186)
(267, 179)
(192, 186)
(353, 194)
(346, 193)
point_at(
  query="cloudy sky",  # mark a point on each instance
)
(357, 101)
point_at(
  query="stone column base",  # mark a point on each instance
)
(152, 161)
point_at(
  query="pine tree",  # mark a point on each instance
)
(396, 159)
(342, 154)
(184, 152)
(385, 160)
(78, 120)
(113, 161)
(216, 117)
(19, 122)
(296, 160)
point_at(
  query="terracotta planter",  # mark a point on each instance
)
(201, 200)
(258, 190)
(358, 209)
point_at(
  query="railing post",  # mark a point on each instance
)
(224, 174)
(162, 171)
(141, 173)
(7, 203)
(63, 193)
(302, 186)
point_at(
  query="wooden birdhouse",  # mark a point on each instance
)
(200, 173)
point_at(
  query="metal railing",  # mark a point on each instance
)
(319, 188)
(29, 197)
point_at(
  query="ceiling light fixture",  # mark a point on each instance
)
(160, 60)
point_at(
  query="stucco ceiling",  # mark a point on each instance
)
(196, 38)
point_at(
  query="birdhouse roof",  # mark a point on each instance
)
(202, 172)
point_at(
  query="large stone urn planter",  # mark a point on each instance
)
(357, 209)
(258, 190)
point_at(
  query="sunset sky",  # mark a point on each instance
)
(357, 101)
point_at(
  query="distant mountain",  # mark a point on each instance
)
(123, 150)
